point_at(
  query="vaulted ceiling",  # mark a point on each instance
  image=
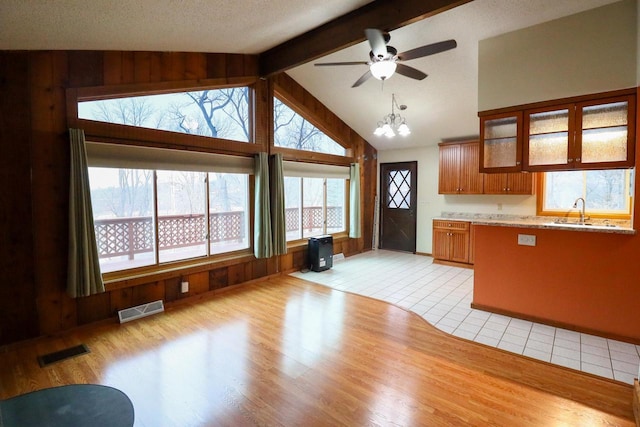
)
(293, 35)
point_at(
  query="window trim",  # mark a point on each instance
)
(540, 184)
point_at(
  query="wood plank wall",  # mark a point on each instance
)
(34, 148)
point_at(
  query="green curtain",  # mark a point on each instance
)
(83, 275)
(278, 223)
(354, 201)
(262, 244)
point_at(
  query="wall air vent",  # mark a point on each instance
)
(144, 310)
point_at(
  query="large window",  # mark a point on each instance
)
(291, 130)
(198, 214)
(314, 206)
(606, 192)
(217, 113)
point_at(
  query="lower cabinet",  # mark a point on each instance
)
(451, 241)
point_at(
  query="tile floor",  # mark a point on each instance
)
(442, 295)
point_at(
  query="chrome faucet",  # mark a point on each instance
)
(575, 205)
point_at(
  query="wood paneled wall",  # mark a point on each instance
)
(34, 161)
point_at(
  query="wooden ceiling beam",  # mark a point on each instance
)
(347, 30)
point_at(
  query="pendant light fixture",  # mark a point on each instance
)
(393, 123)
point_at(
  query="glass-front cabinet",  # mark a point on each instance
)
(596, 134)
(604, 132)
(585, 132)
(548, 142)
(501, 147)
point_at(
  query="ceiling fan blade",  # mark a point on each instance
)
(362, 79)
(410, 72)
(322, 64)
(376, 40)
(427, 50)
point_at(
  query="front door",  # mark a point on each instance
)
(398, 183)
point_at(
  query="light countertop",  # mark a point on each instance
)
(550, 223)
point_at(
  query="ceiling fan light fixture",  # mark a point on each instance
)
(382, 70)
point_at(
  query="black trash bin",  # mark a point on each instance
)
(320, 253)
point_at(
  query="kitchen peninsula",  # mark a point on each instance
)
(575, 277)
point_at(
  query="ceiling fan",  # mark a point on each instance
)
(385, 59)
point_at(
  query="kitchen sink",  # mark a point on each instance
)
(580, 225)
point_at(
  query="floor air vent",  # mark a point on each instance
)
(144, 310)
(58, 356)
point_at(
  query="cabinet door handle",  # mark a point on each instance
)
(578, 159)
(517, 163)
(508, 189)
(569, 160)
(504, 189)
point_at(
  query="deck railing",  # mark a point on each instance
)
(130, 236)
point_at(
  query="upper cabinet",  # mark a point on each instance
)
(458, 173)
(587, 132)
(501, 142)
(595, 134)
(606, 133)
(547, 143)
(458, 168)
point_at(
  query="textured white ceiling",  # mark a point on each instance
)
(440, 107)
(229, 26)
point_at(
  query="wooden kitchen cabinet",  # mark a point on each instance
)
(458, 168)
(595, 131)
(593, 134)
(451, 241)
(509, 183)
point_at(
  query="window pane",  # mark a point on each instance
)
(219, 113)
(291, 130)
(336, 211)
(182, 227)
(549, 149)
(605, 115)
(604, 145)
(228, 212)
(313, 211)
(122, 202)
(399, 189)
(500, 152)
(293, 207)
(605, 191)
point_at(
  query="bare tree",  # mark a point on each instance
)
(136, 111)
(291, 130)
(130, 199)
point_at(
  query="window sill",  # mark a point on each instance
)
(125, 279)
(303, 243)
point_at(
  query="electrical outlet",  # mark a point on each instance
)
(526, 239)
(184, 288)
(499, 206)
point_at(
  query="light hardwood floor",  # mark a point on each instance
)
(289, 352)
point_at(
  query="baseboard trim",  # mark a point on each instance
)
(636, 401)
(554, 323)
(452, 263)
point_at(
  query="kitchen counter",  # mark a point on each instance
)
(550, 223)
